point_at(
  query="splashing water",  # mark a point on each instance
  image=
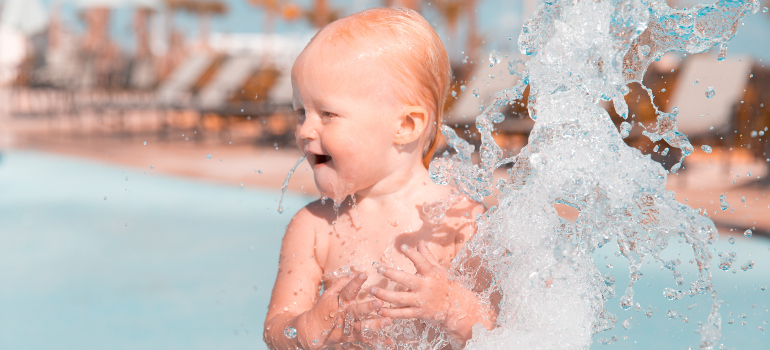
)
(286, 182)
(582, 52)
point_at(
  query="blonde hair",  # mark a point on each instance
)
(407, 44)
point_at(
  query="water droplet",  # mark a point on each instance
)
(144, 143)
(286, 183)
(753, 133)
(152, 167)
(625, 128)
(462, 87)
(625, 90)
(627, 324)
(747, 233)
(743, 198)
(710, 92)
(665, 152)
(748, 265)
(208, 156)
(663, 90)
(290, 333)
(656, 148)
(706, 148)
(454, 93)
(726, 260)
(494, 58)
(475, 92)
(723, 202)
(645, 50)
(731, 240)
(105, 197)
(764, 9)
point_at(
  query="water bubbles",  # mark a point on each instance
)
(342, 271)
(144, 143)
(645, 50)
(462, 87)
(208, 156)
(743, 198)
(290, 333)
(731, 240)
(627, 324)
(454, 93)
(494, 58)
(723, 202)
(726, 260)
(710, 92)
(625, 90)
(764, 9)
(706, 148)
(753, 133)
(656, 148)
(152, 167)
(625, 128)
(665, 152)
(748, 265)
(747, 233)
(476, 92)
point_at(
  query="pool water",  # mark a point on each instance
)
(96, 256)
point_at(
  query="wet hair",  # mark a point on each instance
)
(407, 44)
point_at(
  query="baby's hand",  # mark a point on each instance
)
(336, 317)
(430, 291)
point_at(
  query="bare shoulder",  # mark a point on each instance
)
(314, 215)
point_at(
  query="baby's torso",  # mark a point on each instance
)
(361, 244)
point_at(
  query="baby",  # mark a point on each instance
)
(369, 91)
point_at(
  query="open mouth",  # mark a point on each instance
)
(320, 159)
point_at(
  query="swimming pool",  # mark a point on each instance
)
(96, 256)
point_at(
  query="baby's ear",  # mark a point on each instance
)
(412, 122)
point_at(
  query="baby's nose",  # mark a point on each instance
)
(307, 131)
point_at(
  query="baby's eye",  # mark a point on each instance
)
(327, 116)
(300, 115)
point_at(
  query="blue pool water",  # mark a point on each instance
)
(162, 263)
(171, 263)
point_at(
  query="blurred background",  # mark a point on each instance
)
(143, 145)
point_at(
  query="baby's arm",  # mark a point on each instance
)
(332, 318)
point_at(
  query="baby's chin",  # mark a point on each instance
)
(329, 189)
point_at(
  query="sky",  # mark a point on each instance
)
(499, 23)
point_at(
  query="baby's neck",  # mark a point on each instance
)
(403, 188)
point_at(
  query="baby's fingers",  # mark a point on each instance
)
(362, 310)
(423, 248)
(397, 298)
(350, 291)
(407, 279)
(375, 324)
(422, 264)
(406, 312)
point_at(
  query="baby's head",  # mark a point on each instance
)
(369, 91)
